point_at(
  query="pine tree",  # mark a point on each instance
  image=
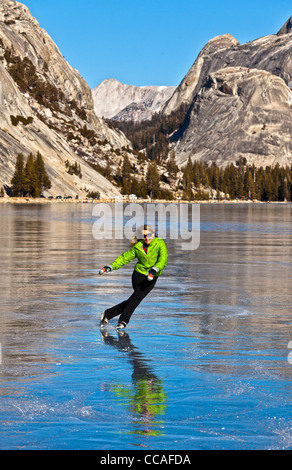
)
(187, 181)
(41, 173)
(196, 174)
(107, 172)
(171, 166)
(17, 182)
(204, 176)
(248, 184)
(231, 180)
(142, 189)
(126, 176)
(284, 193)
(31, 187)
(271, 184)
(138, 187)
(214, 176)
(153, 180)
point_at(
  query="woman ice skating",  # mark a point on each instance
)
(152, 256)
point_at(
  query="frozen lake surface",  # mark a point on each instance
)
(205, 362)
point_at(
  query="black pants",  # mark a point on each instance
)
(141, 287)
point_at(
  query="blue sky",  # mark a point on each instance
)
(149, 42)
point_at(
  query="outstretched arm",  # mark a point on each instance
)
(123, 259)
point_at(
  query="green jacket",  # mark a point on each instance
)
(156, 257)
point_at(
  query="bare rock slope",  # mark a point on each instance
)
(240, 102)
(271, 53)
(239, 113)
(55, 106)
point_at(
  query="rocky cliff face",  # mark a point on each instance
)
(240, 102)
(115, 100)
(271, 53)
(205, 61)
(239, 113)
(55, 106)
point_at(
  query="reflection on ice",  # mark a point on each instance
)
(146, 400)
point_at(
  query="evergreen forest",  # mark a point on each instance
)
(238, 181)
(153, 136)
(30, 178)
(234, 181)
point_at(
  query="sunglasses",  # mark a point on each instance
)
(148, 235)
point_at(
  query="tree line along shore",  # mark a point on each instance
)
(195, 182)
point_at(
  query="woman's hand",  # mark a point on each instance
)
(105, 269)
(152, 273)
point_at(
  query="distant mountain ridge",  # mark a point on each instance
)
(121, 102)
(236, 100)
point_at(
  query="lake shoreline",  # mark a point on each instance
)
(26, 200)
